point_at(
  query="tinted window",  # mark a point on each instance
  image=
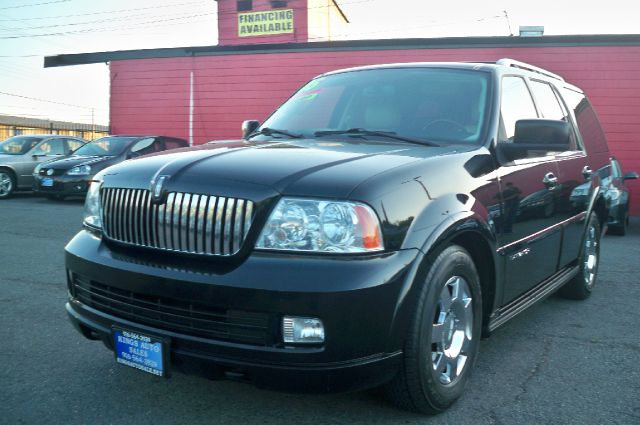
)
(73, 144)
(18, 145)
(173, 144)
(587, 120)
(435, 104)
(145, 146)
(50, 147)
(547, 101)
(516, 105)
(106, 146)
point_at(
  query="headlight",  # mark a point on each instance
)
(36, 170)
(321, 226)
(81, 170)
(92, 217)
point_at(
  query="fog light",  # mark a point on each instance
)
(305, 330)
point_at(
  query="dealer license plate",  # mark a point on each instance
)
(140, 351)
(47, 182)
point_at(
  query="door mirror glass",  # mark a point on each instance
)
(537, 137)
(248, 127)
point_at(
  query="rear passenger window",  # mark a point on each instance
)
(587, 120)
(516, 105)
(547, 101)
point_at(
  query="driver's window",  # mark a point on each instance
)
(50, 147)
(144, 146)
(516, 105)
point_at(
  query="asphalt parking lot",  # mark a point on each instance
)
(560, 362)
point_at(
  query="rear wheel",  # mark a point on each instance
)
(7, 184)
(580, 287)
(443, 339)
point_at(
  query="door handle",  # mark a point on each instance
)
(587, 172)
(550, 181)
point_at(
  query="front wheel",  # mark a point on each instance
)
(443, 339)
(7, 184)
(581, 285)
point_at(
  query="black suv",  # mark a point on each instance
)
(370, 232)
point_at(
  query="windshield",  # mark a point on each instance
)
(435, 104)
(106, 146)
(19, 145)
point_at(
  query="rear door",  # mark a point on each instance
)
(579, 166)
(527, 229)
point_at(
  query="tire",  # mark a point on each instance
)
(581, 285)
(7, 184)
(444, 331)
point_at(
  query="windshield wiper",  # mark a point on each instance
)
(365, 132)
(266, 131)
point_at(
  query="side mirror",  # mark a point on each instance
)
(537, 135)
(631, 175)
(248, 127)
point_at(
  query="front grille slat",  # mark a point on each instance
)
(175, 315)
(186, 222)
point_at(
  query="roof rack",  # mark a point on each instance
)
(527, 67)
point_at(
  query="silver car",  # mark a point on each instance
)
(19, 156)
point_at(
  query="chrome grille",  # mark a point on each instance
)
(186, 222)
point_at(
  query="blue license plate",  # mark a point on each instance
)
(47, 182)
(140, 351)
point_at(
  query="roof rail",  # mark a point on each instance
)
(527, 67)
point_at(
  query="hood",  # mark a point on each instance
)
(319, 168)
(74, 161)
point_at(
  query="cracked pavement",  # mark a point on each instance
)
(560, 362)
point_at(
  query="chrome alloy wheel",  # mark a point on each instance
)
(590, 259)
(452, 330)
(6, 184)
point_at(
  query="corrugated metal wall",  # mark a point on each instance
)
(152, 95)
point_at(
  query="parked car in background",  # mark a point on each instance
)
(71, 176)
(19, 156)
(617, 194)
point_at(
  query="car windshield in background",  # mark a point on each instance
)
(106, 146)
(18, 145)
(433, 104)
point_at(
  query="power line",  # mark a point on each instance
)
(101, 13)
(33, 4)
(45, 100)
(91, 30)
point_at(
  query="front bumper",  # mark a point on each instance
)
(62, 185)
(360, 301)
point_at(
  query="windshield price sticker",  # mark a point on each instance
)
(139, 351)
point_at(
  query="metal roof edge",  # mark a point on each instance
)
(346, 45)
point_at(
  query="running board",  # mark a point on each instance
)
(540, 292)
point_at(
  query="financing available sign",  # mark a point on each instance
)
(265, 23)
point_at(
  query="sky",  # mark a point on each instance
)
(32, 29)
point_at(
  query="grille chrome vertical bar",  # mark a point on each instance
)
(161, 225)
(104, 200)
(209, 224)
(218, 230)
(168, 219)
(237, 226)
(248, 216)
(118, 214)
(135, 203)
(228, 225)
(175, 228)
(194, 209)
(184, 222)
